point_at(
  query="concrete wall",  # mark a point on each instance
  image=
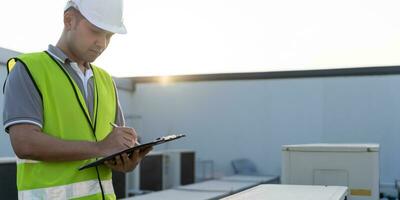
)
(5, 145)
(225, 120)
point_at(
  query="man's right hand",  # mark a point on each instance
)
(119, 139)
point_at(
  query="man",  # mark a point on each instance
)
(58, 109)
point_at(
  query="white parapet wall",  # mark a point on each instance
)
(5, 146)
(5, 54)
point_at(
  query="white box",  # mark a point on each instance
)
(291, 192)
(353, 165)
(174, 194)
(248, 178)
(219, 186)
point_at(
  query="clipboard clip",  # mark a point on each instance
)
(170, 137)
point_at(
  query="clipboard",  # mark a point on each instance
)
(129, 151)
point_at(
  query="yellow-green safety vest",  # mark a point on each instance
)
(66, 116)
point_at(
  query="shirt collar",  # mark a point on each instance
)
(76, 68)
(58, 54)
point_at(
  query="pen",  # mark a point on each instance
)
(115, 126)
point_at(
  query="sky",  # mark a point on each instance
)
(180, 37)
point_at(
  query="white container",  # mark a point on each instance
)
(252, 179)
(219, 186)
(291, 192)
(174, 194)
(353, 165)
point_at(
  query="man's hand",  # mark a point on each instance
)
(127, 163)
(119, 139)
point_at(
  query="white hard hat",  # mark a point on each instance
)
(105, 14)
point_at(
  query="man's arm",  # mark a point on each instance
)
(29, 142)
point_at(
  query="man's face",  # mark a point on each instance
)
(85, 40)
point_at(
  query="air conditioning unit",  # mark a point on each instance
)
(119, 180)
(180, 168)
(161, 170)
(353, 165)
(8, 181)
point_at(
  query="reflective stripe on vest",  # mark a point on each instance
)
(75, 190)
(19, 161)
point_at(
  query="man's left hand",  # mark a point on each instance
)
(125, 163)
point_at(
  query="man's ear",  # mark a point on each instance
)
(68, 20)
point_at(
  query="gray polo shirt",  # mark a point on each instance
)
(23, 104)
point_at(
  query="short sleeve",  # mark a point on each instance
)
(22, 100)
(119, 118)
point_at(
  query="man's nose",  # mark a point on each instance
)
(101, 43)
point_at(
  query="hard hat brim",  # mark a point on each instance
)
(113, 29)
